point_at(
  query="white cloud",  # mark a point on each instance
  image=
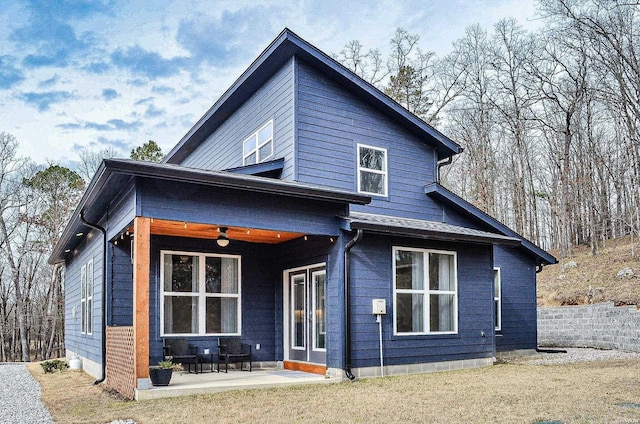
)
(123, 72)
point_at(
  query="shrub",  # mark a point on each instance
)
(54, 365)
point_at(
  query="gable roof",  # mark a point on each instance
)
(285, 46)
(114, 175)
(437, 191)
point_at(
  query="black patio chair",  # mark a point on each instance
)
(231, 350)
(180, 352)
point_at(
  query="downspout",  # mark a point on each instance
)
(347, 308)
(440, 164)
(104, 295)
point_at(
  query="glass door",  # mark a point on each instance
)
(307, 334)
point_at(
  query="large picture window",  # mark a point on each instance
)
(86, 298)
(200, 294)
(259, 146)
(425, 291)
(372, 170)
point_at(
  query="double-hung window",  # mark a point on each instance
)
(372, 170)
(259, 146)
(200, 294)
(425, 291)
(497, 294)
(86, 298)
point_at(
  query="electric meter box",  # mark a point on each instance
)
(379, 306)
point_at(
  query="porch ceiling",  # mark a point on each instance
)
(210, 231)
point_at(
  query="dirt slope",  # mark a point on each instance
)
(569, 282)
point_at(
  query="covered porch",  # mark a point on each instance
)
(184, 384)
(156, 217)
(252, 299)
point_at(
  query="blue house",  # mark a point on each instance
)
(302, 214)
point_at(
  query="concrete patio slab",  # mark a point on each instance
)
(185, 384)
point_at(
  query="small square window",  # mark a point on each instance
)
(372, 170)
(259, 146)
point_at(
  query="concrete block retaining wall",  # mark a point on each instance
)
(600, 326)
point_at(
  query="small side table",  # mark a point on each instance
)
(207, 358)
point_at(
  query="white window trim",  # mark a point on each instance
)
(426, 292)
(256, 150)
(314, 301)
(286, 301)
(202, 295)
(373, 171)
(293, 318)
(499, 298)
(86, 298)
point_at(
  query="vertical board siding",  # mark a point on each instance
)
(87, 346)
(372, 278)
(332, 121)
(121, 296)
(274, 100)
(519, 308)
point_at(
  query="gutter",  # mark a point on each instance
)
(440, 164)
(104, 295)
(347, 307)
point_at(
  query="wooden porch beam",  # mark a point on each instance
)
(141, 257)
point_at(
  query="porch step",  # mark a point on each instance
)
(305, 367)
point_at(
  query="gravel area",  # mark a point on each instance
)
(20, 397)
(573, 355)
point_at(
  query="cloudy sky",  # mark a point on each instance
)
(98, 74)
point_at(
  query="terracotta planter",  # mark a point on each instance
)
(160, 376)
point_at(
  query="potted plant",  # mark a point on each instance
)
(160, 375)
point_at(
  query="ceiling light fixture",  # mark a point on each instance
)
(223, 238)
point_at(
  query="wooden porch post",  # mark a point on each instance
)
(141, 255)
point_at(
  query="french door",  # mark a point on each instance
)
(305, 326)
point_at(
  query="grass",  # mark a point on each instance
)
(570, 286)
(514, 392)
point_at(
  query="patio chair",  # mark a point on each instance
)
(231, 350)
(180, 352)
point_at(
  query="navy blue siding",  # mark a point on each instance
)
(258, 293)
(87, 346)
(372, 278)
(300, 253)
(519, 319)
(517, 268)
(332, 121)
(121, 212)
(193, 203)
(274, 100)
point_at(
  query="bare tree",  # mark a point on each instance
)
(90, 160)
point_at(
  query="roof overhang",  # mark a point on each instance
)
(285, 46)
(114, 175)
(436, 191)
(417, 228)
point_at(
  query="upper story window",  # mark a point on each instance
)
(86, 298)
(372, 170)
(259, 146)
(200, 294)
(425, 292)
